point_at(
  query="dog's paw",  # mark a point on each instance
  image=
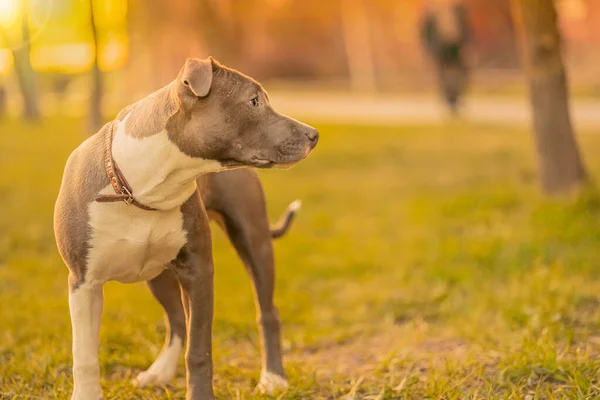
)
(145, 378)
(163, 369)
(87, 393)
(271, 383)
(150, 377)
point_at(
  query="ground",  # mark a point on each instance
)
(423, 264)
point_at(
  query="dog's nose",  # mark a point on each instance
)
(313, 135)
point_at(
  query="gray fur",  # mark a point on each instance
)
(78, 188)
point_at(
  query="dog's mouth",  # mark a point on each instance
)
(266, 163)
(263, 163)
(283, 164)
(256, 163)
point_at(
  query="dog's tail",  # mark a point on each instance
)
(286, 219)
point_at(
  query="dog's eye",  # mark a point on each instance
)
(254, 101)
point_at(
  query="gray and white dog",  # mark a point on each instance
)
(130, 210)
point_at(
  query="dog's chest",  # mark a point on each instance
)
(131, 245)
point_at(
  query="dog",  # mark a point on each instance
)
(129, 209)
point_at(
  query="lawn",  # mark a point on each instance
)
(423, 264)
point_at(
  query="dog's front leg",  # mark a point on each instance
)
(195, 276)
(85, 305)
(194, 270)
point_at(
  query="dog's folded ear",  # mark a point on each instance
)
(197, 76)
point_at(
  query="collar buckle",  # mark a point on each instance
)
(129, 198)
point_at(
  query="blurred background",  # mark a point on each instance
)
(50, 49)
(448, 242)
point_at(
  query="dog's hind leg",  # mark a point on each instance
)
(85, 306)
(249, 232)
(165, 289)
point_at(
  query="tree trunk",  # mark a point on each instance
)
(25, 74)
(172, 29)
(219, 30)
(96, 120)
(3, 102)
(355, 26)
(560, 164)
(214, 29)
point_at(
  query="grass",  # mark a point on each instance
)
(424, 264)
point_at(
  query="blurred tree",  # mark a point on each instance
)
(25, 74)
(96, 120)
(560, 163)
(356, 33)
(219, 28)
(141, 62)
(3, 102)
(163, 34)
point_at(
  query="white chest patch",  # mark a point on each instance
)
(128, 244)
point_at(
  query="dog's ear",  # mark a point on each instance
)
(197, 76)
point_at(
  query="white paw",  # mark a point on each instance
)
(149, 378)
(87, 393)
(271, 383)
(163, 370)
(158, 374)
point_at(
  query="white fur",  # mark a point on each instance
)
(128, 244)
(163, 369)
(85, 305)
(271, 383)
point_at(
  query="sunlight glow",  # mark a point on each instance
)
(573, 9)
(109, 13)
(71, 58)
(76, 58)
(113, 55)
(9, 12)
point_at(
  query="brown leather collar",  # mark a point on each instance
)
(115, 176)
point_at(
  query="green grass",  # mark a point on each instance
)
(424, 264)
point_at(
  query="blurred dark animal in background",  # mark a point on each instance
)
(445, 34)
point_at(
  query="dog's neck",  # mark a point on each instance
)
(161, 176)
(149, 115)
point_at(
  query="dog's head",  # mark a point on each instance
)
(226, 116)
